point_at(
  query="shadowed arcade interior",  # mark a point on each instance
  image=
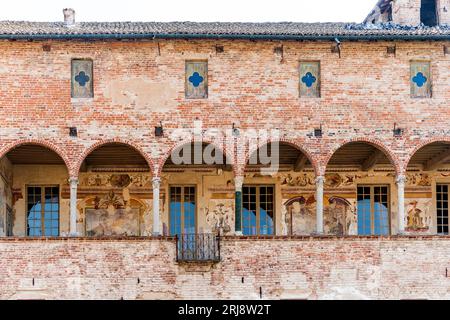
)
(32, 176)
(359, 155)
(197, 155)
(289, 158)
(431, 157)
(114, 155)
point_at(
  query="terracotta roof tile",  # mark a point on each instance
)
(291, 30)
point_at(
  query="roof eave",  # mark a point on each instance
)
(138, 36)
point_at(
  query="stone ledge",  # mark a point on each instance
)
(336, 238)
(238, 238)
(99, 239)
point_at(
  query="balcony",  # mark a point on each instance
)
(200, 247)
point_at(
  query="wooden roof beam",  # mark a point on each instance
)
(372, 160)
(434, 162)
(300, 163)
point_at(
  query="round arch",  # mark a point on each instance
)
(293, 144)
(425, 143)
(43, 143)
(166, 156)
(102, 143)
(370, 141)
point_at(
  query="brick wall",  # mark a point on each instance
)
(407, 12)
(284, 268)
(444, 11)
(137, 85)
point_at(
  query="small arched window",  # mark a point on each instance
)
(428, 12)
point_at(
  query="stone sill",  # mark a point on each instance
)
(337, 238)
(98, 239)
(81, 101)
(236, 238)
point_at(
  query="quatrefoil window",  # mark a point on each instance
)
(82, 78)
(308, 79)
(196, 79)
(419, 79)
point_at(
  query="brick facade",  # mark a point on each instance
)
(363, 94)
(284, 268)
(365, 91)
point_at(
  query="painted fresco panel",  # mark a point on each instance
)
(115, 222)
(418, 214)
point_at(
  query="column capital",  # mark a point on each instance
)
(156, 182)
(238, 182)
(400, 179)
(320, 179)
(73, 180)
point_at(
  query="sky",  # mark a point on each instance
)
(190, 10)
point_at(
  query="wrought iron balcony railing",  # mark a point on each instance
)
(199, 247)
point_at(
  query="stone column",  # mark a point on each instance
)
(401, 203)
(73, 181)
(156, 221)
(238, 182)
(319, 204)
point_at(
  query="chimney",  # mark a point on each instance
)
(69, 16)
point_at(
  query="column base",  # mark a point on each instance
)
(74, 234)
(317, 234)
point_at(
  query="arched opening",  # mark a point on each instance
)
(33, 182)
(428, 173)
(359, 185)
(277, 173)
(429, 13)
(114, 192)
(115, 156)
(198, 192)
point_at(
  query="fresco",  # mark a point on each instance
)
(340, 217)
(299, 216)
(112, 215)
(115, 222)
(302, 180)
(112, 204)
(5, 193)
(112, 180)
(418, 179)
(418, 214)
(220, 216)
